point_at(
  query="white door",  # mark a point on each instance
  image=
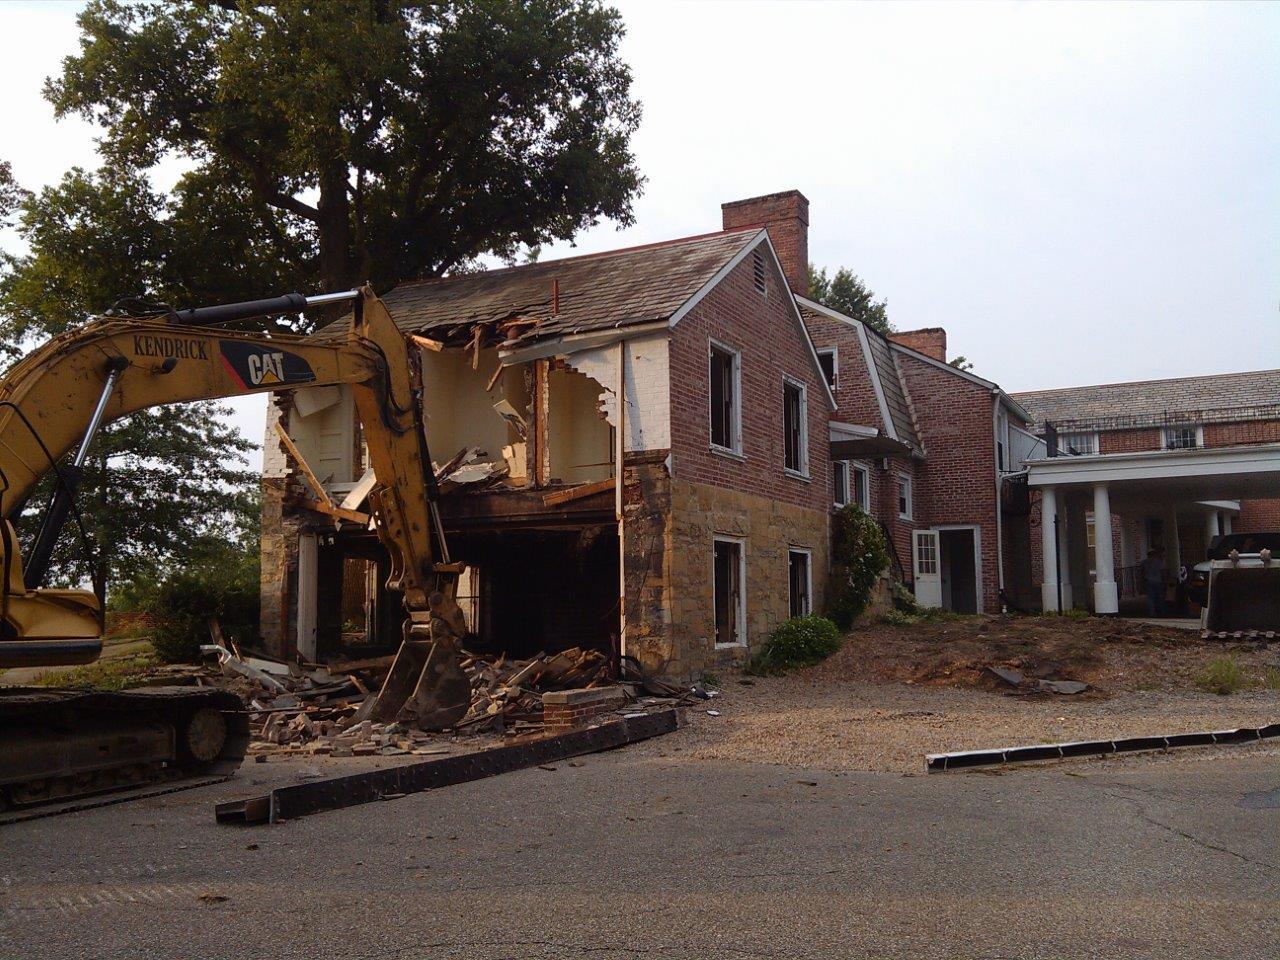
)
(924, 552)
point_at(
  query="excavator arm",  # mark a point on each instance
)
(56, 398)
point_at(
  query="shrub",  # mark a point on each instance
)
(1271, 679)
(858, 557)
(1222, 675)
(223, 585)
(798, 642)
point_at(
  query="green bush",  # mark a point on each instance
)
(223, 585)
(1222, 675)
(858, 557)
(798, 642)
(1271, 679)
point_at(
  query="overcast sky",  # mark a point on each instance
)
(1077, 193)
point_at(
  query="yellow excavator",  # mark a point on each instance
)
(58, 744)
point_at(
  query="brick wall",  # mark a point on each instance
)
(764, 330)
(1257, 515)
(1241, 434)
(955, 483)
(1128, 441)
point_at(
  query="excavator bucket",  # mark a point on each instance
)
(425, 689)
(1244, 597)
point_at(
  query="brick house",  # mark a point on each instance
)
(1177, 462)
(702, 499)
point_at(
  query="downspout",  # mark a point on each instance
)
(995, 458)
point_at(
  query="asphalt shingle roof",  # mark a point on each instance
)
(1252, 395)
(596, 292)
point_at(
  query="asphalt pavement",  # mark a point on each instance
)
(640, 853)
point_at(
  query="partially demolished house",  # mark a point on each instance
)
(632, 450)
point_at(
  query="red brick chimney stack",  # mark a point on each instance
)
(786, 216)
(931, 341)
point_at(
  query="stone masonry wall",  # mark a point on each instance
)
(768, 528)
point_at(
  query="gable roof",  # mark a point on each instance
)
(891, 392)
(1218, 398)
(601, 291)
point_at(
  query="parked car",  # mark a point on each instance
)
(1244, 543)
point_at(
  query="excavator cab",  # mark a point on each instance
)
(44, 628)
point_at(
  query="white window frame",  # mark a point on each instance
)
(1164, 436)
(841, 498)
(741, 619)
(863, 500)
(906, 494)
(808, 576)
(835, 367)
(1062, 441)
(803, 472)
(736, 449)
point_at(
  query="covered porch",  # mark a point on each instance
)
(1101, 513)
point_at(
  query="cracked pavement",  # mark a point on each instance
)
(644, 853)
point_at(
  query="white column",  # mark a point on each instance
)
(1064, 555)
(1105, 599)
(1048, 543)
(1226, 523)
(308, 573)
(1212, 527)
(1172, 543)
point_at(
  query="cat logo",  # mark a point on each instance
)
(251, 367)
(265, 368)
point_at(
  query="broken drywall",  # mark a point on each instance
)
(648, 388)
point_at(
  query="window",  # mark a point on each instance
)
(904, 496)
(861, 487)
(795, 427)
(840, 481)
(829, 361)
(728, 577)
(757, 271)
(726, 417)
(926, 553)
(801, 585)
(468, 597)
(1183, 438)
(1080, 443)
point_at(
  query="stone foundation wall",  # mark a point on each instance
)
(768, 528)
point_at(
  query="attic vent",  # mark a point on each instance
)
(757, 262)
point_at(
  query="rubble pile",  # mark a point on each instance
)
(303, 708)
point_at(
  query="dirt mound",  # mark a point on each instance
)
(1108, 654)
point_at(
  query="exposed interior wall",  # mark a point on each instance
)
(322, 424)
(457, 407)
(581, 441)
(648, 388)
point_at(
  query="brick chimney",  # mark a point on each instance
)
(931, 341)
(786, 217)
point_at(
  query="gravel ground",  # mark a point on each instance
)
(803, 721)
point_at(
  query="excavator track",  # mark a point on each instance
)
(59, 749)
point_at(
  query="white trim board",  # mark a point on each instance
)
(872, 369)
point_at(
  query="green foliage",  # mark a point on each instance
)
(859, 556)
(847, 293)
(117, 673)
(960, 363)
(220, 583)
(900, 617)
(1071, 613)
(363, 139)
(1221, 675)
(798, 642)
(1271, 679)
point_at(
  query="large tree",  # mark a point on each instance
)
(847, 293)
(160, 485)
(371, 139)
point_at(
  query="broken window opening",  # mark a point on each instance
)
(795, 428)
(725, 414)
(728, 577)
(801, 586)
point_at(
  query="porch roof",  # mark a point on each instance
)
(1161, 477)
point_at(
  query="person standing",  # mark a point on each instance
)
(1153, 577)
